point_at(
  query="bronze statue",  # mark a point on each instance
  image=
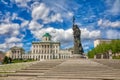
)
(77, 40)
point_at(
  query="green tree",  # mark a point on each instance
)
(114, 45)
(6, 60)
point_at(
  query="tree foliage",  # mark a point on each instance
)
(114, 45)
(7, 60)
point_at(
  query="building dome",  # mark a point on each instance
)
(46, 37)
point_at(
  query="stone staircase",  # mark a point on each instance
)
(82, 69)
(71, 69)
(37, 69)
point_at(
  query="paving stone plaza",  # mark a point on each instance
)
(69, 69)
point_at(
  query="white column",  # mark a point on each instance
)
(110, 54)
(94, 56)
(101, 56)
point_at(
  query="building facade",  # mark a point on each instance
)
(101, 41)
(43, 50)
(16, 52)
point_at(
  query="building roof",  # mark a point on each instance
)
(46, 42)
(15, 47)
(46, 35)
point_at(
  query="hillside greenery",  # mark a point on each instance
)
(114, 46)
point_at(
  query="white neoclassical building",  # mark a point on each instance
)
(45, 49)
(15, 52)
(100, 41)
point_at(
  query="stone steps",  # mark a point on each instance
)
(80, 77)
(75, 69)
(25, 74)
(37, 69)
(31, 71)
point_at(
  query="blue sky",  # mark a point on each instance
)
(24, 21)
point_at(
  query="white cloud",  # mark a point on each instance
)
(35, 4)
(14, 16)
(15, 33)
(40, 12)
(113, 34)
(56, 17)
(116, 7)
(107, 23)
(9, 28)
(66, 36)
(34, 26)
(6, 46)
(70, 14)
(43, 12)
(22, 3)
(12, 40)
(86, 34)
(113, 7)
(5, 18)
(24, 23)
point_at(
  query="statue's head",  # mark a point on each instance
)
(75, 26)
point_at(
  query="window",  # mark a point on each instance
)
(56, 51)
(33, 46)
(42, 57)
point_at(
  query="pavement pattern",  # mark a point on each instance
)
(70, 69)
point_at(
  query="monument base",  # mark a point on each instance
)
(78, 56)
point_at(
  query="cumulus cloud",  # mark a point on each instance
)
(40, 12)
(43, 12)
(66, 36)
(116, 7)
(11, 32)
(86, 34)
(11, 28)
(5, 18)
(5, 46)
(56, 17)
(113, 7)
(12, 40)
(34, 26)
(24, 23)
(113, 34)
(21, 3)
(107, 23)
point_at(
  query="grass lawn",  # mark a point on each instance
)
(12, 67)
